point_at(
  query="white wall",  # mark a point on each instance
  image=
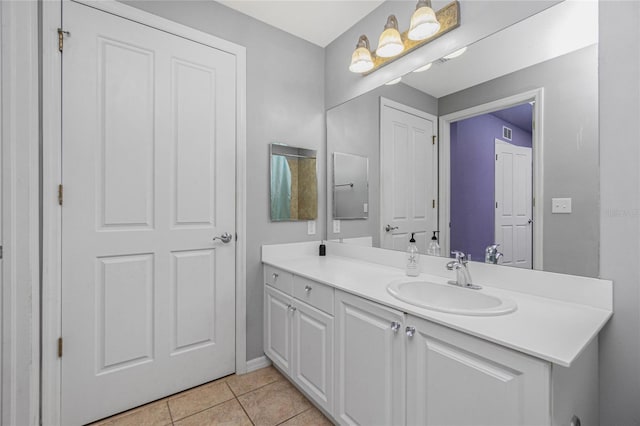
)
(285, 103)
(620, 209)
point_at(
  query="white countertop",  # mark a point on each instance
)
(553, 330)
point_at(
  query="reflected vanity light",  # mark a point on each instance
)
(390, 43)
(424, 67)
(394, 81)
(426, 25)
(455, 54)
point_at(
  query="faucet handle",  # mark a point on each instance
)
(460, 256)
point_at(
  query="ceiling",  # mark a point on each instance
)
(556, 31)
(317, 21)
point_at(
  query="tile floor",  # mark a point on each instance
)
(262, 398)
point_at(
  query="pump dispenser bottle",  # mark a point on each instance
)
(413, 258)
(434, 247)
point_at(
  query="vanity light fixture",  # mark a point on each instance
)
(455, 54)
(424, 23)
(394, 81)
(424, 67)
(390, 43)
(361, 60)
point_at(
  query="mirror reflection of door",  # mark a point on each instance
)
(491, 185)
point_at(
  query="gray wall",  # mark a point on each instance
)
(620, 210)
(284, 104)
(479, 18)
(570, 133)
(354, 128)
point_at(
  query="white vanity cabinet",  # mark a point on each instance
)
(299, 334)
(457, 379)
(370, 363)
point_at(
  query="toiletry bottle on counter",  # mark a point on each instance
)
(322, 250)
(413, 258)
(434, 247)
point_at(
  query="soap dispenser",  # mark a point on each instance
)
(413, 258)
(434, 247)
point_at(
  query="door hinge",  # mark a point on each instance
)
(60, 189)
(59, 347)
(1, 253)
(61, 35)
(433, 204)
(496, 157)
(496, 204)
(433, 140)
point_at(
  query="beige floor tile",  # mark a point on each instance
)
(273, 403)
(254, 380)
(198, 399)
(311, 417)
(154, 414)
(228, 413)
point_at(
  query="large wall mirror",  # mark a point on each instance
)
(496, 146)
(294, 183)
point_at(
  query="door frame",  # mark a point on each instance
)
(52, 171)
(385, 102)
(537, 135)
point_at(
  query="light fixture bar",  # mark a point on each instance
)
(449, 18)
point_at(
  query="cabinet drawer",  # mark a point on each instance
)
(315, 294)
(279, 279)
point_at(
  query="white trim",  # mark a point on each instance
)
(384, 102)
(20, 291)
(537, 96)
(51, 99)
(258, 363)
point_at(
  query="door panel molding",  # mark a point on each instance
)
(52, 169)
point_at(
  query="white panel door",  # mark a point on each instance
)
(313, 353)
(408, 181)
(513, 218)
(457, 380)
(149, 179)
(370, 360)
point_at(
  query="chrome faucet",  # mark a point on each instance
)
(491, 254)
(463, 277)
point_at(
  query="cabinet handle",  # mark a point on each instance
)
(275, 276)
(410, 331)
(307, 288)
(291, 308)
(395, 326)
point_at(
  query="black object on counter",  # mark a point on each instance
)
(323, 249)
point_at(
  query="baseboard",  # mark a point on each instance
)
(258, 363)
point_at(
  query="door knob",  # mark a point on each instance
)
(390, 228)
(225, 238)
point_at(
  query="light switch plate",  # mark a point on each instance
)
(311, 227)
(336, 226)
(365, 207)
(561, 205)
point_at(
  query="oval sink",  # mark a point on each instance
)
(449, 298)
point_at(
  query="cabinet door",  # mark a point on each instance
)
(456, 379)
(313, 353)
(277, 327)
(370, 363)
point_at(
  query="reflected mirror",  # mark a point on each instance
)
(294, 183)
(496, 146)
(350, 186)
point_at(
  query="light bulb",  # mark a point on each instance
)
(390, 43)
(424, 23)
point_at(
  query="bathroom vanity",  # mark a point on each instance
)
(366, 357)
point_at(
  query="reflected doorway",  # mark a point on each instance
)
(490, 187)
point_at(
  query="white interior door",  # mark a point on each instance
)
(513, 219)
(149, 179)
(408, 175)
